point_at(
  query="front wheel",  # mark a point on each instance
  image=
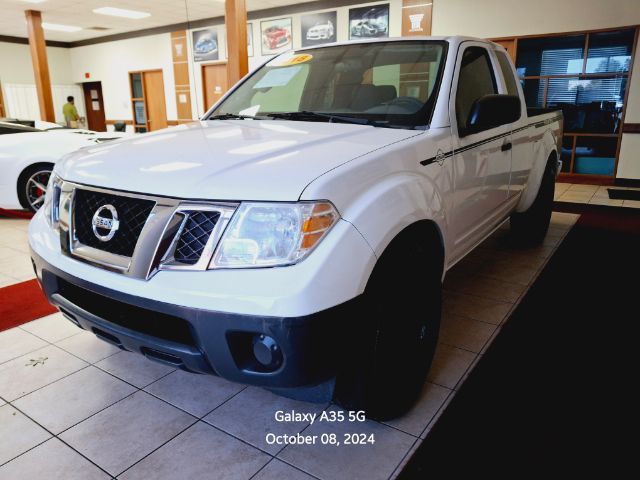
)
(32, 185)
(398, 321)
(529, 228)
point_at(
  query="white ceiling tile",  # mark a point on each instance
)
(79, 13)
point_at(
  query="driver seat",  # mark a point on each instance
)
(368, 96)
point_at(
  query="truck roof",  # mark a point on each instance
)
(453, 40)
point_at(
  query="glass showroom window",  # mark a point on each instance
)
(585, 76)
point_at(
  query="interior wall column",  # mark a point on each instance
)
(235, 19)
(40, 65)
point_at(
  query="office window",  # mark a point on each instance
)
(586, 76)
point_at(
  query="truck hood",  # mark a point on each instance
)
(226, 160)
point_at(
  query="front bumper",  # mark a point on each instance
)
(203, 341)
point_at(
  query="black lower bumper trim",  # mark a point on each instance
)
(310, 346)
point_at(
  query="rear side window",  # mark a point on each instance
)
(507, 73)
(476, 80)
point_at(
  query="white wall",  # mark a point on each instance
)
(629, 160)
(18, 84)
(16, 66)
(22, 100)
(504, 18)
(110, 63)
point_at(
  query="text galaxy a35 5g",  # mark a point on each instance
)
(296, 237)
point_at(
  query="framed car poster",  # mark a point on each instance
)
(276, 36)
(319, 28)
(369, 22)
(205, 45)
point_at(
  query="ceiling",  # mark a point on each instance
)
(79, 13)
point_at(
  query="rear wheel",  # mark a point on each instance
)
(32, 185)
(530, 227)
(397, 329)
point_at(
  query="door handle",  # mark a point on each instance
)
(506, 147)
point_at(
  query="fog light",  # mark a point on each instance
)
(267, 352)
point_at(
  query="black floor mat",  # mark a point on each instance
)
(619, 194)
(553, 392)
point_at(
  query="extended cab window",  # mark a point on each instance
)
(476, 80)
(507, 73)
(389, 83)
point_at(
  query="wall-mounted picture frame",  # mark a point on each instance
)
(369, 22)
(319, 28)
(205, 45)
(250, 39)
(276, 36)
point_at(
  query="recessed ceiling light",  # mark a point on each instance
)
(121, 12)
(60, 28)
(34, 1)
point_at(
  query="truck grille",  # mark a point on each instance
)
(132, 215)
(195, 235)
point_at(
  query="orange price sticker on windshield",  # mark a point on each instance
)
(296, 60)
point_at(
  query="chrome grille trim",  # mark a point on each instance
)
(158, 238)
(169, 262)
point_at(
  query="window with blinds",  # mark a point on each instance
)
(586, 76)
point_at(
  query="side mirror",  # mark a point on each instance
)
(492, 111)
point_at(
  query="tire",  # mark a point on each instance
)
(30, 183)
(387, 359)
(529, 228)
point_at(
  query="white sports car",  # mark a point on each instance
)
(321, 31)
(27, 156)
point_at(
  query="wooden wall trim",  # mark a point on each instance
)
(111, 122)
(2, 112)
(416, 7)
(182, 79)
(236, 25)
(631, 128)
(25, 41)
(40, 65)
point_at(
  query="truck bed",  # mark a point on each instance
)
(536, 111)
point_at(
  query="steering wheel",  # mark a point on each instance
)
(407, 103)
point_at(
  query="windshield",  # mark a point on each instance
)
(388, 83)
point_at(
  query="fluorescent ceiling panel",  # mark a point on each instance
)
(121, 12)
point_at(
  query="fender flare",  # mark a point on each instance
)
(547, 150)
(406, 200)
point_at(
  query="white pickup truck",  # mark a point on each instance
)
(297, 236)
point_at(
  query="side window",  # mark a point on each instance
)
(507, 73)
(476, 80)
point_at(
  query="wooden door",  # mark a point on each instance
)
(214, 83)
(155, 100)
(94, 105)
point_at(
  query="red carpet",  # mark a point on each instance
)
(21, 303)
(15, 213)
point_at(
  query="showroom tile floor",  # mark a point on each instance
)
(74, 407)
(592, 194)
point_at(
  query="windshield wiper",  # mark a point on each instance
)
(235, 116)
(308, 115)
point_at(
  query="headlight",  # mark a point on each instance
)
(273, 234)
(51, 205)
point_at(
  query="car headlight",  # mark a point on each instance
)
(273, 234)
(51, 205)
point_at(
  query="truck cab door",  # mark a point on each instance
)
(482, 159)
(522, 153)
